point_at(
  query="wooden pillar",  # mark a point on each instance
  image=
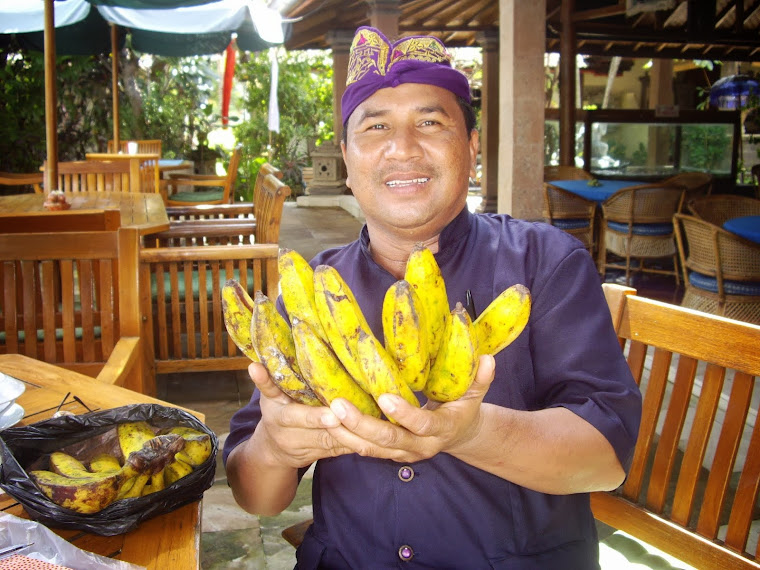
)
(660, 93)
(51, 101)
(115, 85)
(383, 15)
(340, 43)
(567, 69)
(489, 122)
(522, 42)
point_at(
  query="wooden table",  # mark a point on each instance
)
(167, 541)
(144, 211)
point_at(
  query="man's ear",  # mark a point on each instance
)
(343, 152)
(474, 148)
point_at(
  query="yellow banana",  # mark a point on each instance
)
(324, 372)
(68, 466)
(297, 286)
(380, 370)
(155, 484)
(197, 445)
(176, 470)
(104, 462)
(81, 494)
(424, 275)
(133, 435)
(237, 307)
(136, 488)
(454, 369)
(503, 320)
(406, 333)
(273, 342)
(341, 318)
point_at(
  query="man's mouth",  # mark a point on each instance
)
(400, 183)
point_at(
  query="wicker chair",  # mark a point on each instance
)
(638, 224)
(695, 184)
(721, 270)
(571, 213)
(719, 208)
(565, 173)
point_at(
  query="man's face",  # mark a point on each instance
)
(409, 157)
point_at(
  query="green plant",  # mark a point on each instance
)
(305, 101)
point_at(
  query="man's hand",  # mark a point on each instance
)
(421, 433)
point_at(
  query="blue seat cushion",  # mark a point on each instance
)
(642, 229)
(202, 196)
(574, 224)
(702, 281)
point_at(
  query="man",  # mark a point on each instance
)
(498, 478)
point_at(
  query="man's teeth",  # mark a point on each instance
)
(407, 182)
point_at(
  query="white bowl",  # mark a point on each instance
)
(10, 389)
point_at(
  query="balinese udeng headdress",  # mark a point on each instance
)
(375, 63)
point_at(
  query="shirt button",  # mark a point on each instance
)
(406, 473)
(406, 553)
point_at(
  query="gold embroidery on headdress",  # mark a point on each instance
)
(370, 54)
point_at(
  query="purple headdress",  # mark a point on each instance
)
(376, 63)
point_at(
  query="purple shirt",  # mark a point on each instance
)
(442, 512)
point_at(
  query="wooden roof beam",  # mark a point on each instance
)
(597, 13)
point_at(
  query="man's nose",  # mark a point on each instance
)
(403, 144)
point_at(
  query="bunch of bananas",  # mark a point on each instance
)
(145, 463)
(329, 351)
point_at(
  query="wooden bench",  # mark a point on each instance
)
(692, 488)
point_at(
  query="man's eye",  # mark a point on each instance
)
(376, 127)
(429, 123)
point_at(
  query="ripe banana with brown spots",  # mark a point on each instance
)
(341, 317)
(454, 369)
(297, 286)
(503, 320)
(237, 308)
(273, 343)
(324, 372)
(407, 333)
(423, 273)
(380, 371)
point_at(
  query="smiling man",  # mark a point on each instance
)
(500, 477)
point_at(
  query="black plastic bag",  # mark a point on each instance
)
(21, 446)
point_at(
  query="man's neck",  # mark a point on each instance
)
(392, 254)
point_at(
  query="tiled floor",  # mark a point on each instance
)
(233, 539)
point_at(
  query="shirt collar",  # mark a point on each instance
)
(451, 235)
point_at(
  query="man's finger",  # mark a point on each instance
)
(264, 383)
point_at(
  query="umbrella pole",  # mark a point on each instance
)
(51, 103)
(115, 86)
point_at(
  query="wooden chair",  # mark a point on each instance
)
(263, 172)
(638, 224)
(60, 221)
(74, 302)
(224, 194)
(143, 168)
(268, 205)
(147, 146)
(692, 488)
(182, 282)
(181, 298)
(721, 270)
(565, 173)
(96, 176)
(236, 210)
(719, 208)
(33, 179)
(694, 184)
(755, 171)
(571, 213)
